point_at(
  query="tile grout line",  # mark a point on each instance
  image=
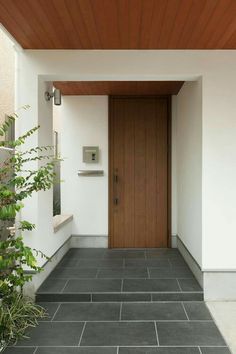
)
(61, 292)
(128, 346)
(82, 332)
(133, 321)
(155, 324)
(179, 284)
(170, 264)
(55, 312)
(96, 276)
(120, 310)
(185, 310)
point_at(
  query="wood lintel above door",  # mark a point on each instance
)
(119, 87)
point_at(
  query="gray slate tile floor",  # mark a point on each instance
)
(122, 302)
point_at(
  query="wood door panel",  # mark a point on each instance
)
(162, 173)
(139, 157)
(140, 175)
(151, 175)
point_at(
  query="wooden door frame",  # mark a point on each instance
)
(110, 162)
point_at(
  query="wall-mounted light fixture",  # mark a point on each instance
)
(56, 94)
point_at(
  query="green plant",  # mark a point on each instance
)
(22, 173)
(17, 313)
(18, 182)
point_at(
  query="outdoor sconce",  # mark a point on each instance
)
(56, 96)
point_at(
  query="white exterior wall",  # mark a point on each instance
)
(7, 76)
(84, 122)
(218, 72)
(189, 167)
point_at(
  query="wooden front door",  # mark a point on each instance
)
(138, 138)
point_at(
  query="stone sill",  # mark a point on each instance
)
(60, 220)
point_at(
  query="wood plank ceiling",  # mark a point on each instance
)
(121, 24)
(119, 87)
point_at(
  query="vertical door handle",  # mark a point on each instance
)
(115, 181)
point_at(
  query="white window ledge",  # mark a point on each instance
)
(60, 220)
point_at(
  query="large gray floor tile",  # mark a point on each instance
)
(66, 273)
(167, 350)
(123, 273)
(124, 254)
(176, 272)
(69, 262)
(177, 262)
(122, 297)
(63, 297)
(93, 285)
(100, 263)
(68, 350)
(150, 285)
(215, 350)
(189, 285)
(119, 333)
(15, 350)
(161, 252)
(153, 311)
(178, 296)
(197, 311)
(88, 312)
(54, 334)
(159, 263)
(189, 333)
(114, 253)
(50, 308)
(52, 285)
(86, 252)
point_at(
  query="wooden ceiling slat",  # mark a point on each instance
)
(63, 17)
(121, 24)
(226, 19)
(88, 16)
(135, 24)
(206, 13)
(78, 23)
(9, 22)
(60, 19)
(157, 21)
(46, 26)
(106, 14)
(119, 87)
(191, 22)
(178, 28)
(213, 26)
(123, 14)
(168, 22)
(147, 18)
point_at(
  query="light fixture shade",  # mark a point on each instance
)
(57, 97)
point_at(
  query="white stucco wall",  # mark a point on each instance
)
(189, 167)
(7, 76)
(218, 72)
(84, 122)
(81, 121)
